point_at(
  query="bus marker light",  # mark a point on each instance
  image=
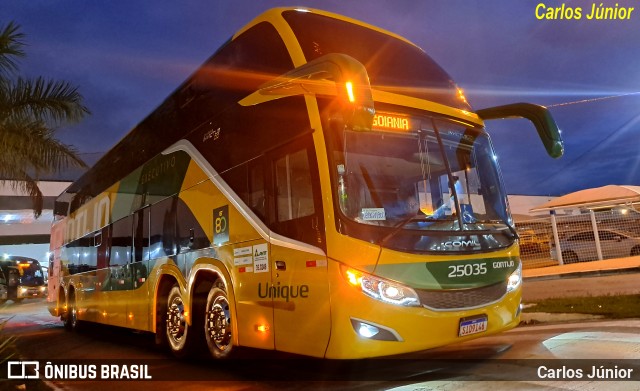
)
(354, 277)
(349, 86)
(262, 328)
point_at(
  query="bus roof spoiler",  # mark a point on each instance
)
(538, 115)
(332, 74)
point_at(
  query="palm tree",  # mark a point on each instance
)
(30, 112)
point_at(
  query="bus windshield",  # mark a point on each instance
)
(29, 270)
(432, 175)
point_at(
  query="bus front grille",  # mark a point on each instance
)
(461, 298)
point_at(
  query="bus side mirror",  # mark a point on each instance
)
(332, 74)
(538, 115)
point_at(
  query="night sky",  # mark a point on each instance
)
(126, 57)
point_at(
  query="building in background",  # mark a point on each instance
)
(20, 232)
(521, 206)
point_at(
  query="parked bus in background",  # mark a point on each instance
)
(300, 192)
(21, 278)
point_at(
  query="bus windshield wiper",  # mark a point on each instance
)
(401, 224)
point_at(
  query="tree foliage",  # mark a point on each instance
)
(31, 110)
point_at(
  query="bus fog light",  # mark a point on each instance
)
(367, 330)
(374, 331)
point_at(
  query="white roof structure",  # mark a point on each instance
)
(595, 198)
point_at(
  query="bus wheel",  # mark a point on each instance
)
(177, 329)
(71, 322)
(217, 326)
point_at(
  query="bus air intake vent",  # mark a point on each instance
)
(461, 298)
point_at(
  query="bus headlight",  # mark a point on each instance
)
(381, 289)
(515, 279)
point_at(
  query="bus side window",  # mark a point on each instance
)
(295, 205)
(141, 235)
(102, 247)
(121, 241)
(162, 229)
(257, 198)
(294, 194)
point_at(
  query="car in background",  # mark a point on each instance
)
(532, 243)
(581, 246)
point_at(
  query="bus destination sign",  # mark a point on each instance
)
(391, 122)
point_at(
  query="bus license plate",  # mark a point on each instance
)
(472, 325)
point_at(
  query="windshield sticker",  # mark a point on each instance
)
(372, 214)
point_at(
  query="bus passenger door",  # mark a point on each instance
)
(297, 261)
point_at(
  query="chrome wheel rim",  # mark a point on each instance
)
(218, 326)
(176, 323)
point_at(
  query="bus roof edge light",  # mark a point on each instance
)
(351, 85)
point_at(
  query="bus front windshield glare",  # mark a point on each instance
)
(441, 177)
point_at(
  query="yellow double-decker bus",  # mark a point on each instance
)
(318, 186)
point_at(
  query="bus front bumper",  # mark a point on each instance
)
(31, 292)
(364, 327)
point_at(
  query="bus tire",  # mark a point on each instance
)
(70, 320)
(177, 331)
(217, 325)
